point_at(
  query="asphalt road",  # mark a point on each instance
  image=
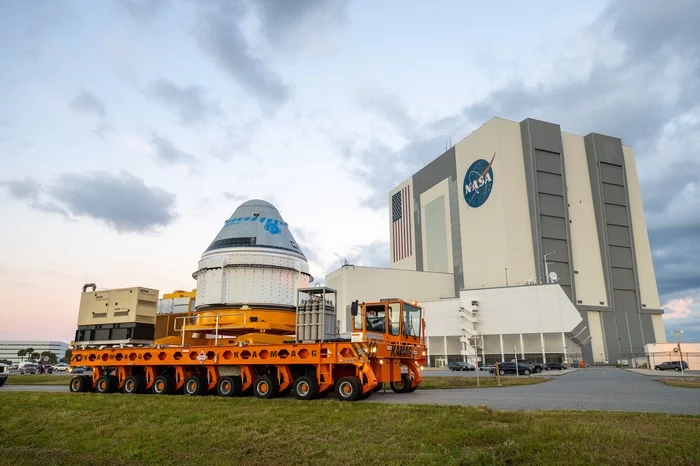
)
(593, 388)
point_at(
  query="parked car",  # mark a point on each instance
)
(537, 367)
(29, 369)
(511, 368)
(460, 366)
(671, 366)
(554, 366)
(61, 367)
(4, 373)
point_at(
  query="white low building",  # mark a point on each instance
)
(657, 353)
(536, 322)
(9, 349)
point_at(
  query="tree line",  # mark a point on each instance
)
(32, 355)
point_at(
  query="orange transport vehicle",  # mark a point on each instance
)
(385, 347)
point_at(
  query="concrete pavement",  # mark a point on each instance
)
(593, 388)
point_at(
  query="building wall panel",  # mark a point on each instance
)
(496, 237)
(645, 267)
(589, 279)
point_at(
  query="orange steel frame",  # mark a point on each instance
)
(372, 363)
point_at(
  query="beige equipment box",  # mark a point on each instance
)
(118, 306)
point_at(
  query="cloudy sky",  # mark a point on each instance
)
(130, 130)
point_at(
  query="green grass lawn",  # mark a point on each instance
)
(685, 382)
(88, 428)
(38, 379)
(429, 382)
(433, 382)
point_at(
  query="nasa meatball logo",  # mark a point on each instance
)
(272, 228)
(478, 182)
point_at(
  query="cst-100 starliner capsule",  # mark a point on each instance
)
(253, 262)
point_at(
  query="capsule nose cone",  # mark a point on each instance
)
(256, 224)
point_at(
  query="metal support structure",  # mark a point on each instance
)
(522, 346)
(678, 343)
(563, 341)
(447, 361)
(546, 265)
(503, 354)
(544, 353)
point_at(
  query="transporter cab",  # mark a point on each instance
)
(386, 347)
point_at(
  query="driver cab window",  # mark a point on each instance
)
(376, 319)
(394, 318)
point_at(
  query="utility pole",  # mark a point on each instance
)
(517, 364)
(476, 347)
(678, 343)
(546, 265)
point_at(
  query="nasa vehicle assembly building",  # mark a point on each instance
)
(522, 240)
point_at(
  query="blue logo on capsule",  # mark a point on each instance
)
(478, 182)
(272, 225)
(272, 228)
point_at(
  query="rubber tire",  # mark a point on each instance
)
(106, 384)
(195, 385)
(2, 382)
(401, 387)
(168, 382)
(272, 387)
(353, 384)
(229, 386)
(378, 387)
(537, 370)
(137, 382)
(526, 372)
(80, 383)
(309, 387)
(501, 372)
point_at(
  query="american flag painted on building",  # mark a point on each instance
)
(401, 224)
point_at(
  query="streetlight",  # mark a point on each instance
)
(678, 342)
(546, 264)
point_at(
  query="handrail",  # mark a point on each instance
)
(196, 317)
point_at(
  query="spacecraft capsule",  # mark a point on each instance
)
(254, 261)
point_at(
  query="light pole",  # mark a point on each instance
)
(678, 343)
(476, 349)
(546, 265)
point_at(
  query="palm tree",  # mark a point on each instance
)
(20, 355)
(49, 357)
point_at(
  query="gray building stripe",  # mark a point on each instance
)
(628, 329)
(442, 167)
(545, 178)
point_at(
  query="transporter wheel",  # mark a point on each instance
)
(195, 385)
(402, 385)
(80, 383)
(265, 387)
(164, 385)
(378, 387)
(134, 384)
(305, 388)
(106, 384)
(229, 386)
(348, 388)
